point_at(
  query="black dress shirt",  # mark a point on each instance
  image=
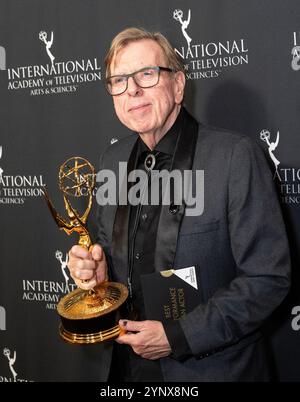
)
(142, 231)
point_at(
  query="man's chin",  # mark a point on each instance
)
(142, 129)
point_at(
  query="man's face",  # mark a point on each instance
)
(147, 110)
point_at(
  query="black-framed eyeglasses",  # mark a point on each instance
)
(146, 77)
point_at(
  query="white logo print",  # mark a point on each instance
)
(2, 319)
(63, 264)
(296, 58)
(53, 77)
(178, 16)
(11, 362)
(187, 274)
(48, 44)
(265, 136)
(207, 60)
(295, 63)
(2, 58)
(1, 170)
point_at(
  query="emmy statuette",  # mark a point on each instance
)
(87, 316)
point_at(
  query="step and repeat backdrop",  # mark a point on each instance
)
(242, 61)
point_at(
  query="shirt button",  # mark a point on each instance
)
(144, 217)
(138, 256)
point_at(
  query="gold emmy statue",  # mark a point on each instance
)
(87, 316)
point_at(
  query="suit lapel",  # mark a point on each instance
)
(121, 224)
(170, 216)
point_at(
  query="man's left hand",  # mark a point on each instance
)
(147, 338)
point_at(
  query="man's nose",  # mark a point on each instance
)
(132, 88)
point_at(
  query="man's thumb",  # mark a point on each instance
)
(97, 252)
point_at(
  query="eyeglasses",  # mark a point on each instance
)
(146, 77)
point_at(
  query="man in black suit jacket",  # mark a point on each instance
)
(237, 243)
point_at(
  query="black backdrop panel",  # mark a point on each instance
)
(243, 67)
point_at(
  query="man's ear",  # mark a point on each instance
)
(179, 87)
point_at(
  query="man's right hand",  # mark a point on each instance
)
(87, 268)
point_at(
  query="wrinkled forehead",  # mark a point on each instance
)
(136, 55)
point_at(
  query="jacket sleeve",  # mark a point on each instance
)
(260, 249)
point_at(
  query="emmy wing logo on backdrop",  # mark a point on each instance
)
(58, 76)
(48, 44)
(49, 292)
(208, 60)
(287, 178)
(63, 264)
(178, 16)
(296, 51)
(12, 375)
(11, 362)
(265, 136)
(2, 58)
